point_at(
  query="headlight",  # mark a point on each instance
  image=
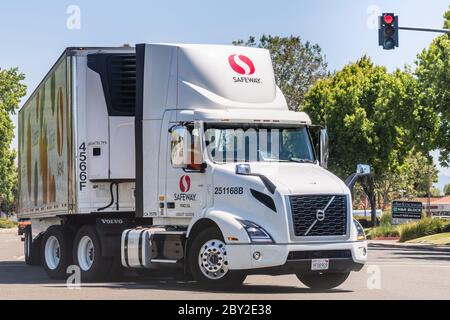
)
(256, 233)
(360, 234)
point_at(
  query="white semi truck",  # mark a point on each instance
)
(184, 156)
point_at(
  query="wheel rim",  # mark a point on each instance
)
(52, 253)
(86, 253)
(212, 259)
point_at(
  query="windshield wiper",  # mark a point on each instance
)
(298, 160)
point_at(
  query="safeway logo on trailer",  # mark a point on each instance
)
(244, 66)
(241, 64)
(185, 184)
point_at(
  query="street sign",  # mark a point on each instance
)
(407, 210)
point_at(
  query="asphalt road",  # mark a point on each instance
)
(393, 272)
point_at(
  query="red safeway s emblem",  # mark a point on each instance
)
(241, 64)
(185, 184)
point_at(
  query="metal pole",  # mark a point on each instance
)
(447, 31)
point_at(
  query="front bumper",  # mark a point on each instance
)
(288, 258)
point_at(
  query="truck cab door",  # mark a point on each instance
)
(185, 187)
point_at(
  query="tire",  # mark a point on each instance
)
(323, 281)
(31, 248)
(56, 251)
(87, 254)
(221, 279)
(27, 245)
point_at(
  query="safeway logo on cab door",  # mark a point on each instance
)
(244, 66)
(184, 196)
(185, 184)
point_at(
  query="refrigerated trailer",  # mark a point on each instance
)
(184, 156)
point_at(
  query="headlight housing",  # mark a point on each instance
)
(360, 234)
(256, 233)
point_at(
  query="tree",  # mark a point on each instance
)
(433, 73)
(11, 91)
(373, 117)
(297, 65)
(447, 190)
(447, 19)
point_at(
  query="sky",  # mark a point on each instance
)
(34, 33)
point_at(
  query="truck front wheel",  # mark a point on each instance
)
(87, 254)
(208, 262)
(57, 251)
(323, 281)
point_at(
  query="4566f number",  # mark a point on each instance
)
(82, 166)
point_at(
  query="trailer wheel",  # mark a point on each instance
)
(323, 281)
(87, 254)
(31, 248)
(208, 262)
(27, 245)
(56, 251)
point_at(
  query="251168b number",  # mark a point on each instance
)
(229, 190)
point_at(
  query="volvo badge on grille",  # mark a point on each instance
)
(320, 215)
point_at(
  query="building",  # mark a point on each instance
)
(439, 206)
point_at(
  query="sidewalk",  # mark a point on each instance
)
(414, 246)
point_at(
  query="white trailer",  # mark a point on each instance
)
(180, 155)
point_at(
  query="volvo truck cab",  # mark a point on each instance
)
(239, 170)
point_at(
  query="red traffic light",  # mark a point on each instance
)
(388, 18)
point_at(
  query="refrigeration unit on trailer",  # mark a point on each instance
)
(184, 156)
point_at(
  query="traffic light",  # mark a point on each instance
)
(388, 31)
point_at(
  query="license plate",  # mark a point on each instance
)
(320, 264)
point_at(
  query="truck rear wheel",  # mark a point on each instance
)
(208, 262)
(87, 254)
(56, 251)
(323, 281)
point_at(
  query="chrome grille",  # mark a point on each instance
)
(330, 221)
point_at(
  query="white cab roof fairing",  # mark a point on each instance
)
(180, 76)
(249, 116)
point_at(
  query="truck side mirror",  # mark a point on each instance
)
(324, 151)
(362, 170)
(186, 149)
(180, 143)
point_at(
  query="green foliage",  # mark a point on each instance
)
(11, 91)
(447, 190)
(7, 224)
(447, 19)
(372, 116)
(297, 65)
(384, 230)
(366, 222)
(433, 73)
(435, 192)
(422, 228)
(386, 219)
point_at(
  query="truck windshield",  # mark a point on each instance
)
(262, 143)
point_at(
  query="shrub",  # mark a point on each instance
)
(386, 219)
(446, 226)
(422, 228)
(384, 230)
(7, 224)
(366, 222)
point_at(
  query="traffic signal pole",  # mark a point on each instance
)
(447, 31)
